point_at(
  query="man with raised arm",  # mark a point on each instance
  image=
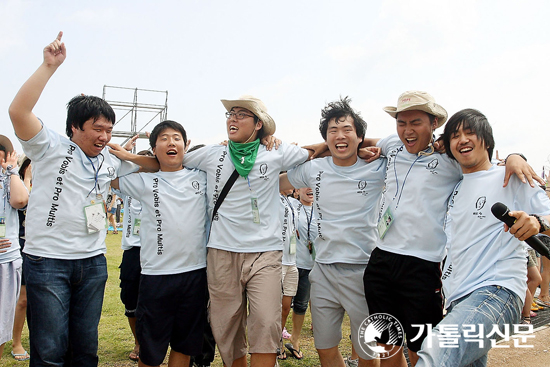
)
(65, 266)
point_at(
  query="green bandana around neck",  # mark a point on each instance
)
(243, 155)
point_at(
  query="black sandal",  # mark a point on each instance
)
(294, 352)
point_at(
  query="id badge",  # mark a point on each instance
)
(292, 248)
(311, 248)
(2, 227)
(385, 223)
(255, 210)
(96, 220)
(137, 226)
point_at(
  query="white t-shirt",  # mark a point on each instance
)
(233, 229)
(416, 192)
(173, 220)
(132, 217)
(11, 222)
(289, 229)
(63, 184)
(305, 221)
(480, 253)
(346, 203)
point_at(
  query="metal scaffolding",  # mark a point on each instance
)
(121, 99)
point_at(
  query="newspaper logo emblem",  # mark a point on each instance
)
(384, 329)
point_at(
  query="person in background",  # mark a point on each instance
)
(306, 233)
(18, 352)
(290, 272)
(14, 196)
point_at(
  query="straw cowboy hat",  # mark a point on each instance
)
(418, 101)
(257, 107)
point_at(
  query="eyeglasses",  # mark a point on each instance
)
(238, 115)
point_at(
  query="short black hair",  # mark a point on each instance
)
(166, 124)
(82, 108)
(337, 110)
(474, 121)
(195, 147)
(146, 152)
(23, 167)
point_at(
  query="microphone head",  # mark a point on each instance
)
(499, 210)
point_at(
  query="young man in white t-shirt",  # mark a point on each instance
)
(171, 309)
(65, 267)
(245, 247)
(484, 280)
(346, 193)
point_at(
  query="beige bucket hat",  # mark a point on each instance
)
(6, 143)
(421, 101)
(256, 106)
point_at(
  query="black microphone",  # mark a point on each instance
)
(500, 211)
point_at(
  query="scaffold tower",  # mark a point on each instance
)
(137, 114)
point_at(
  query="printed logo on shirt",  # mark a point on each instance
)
(196, 185)
(432, 165)
(111, 172)
(263, 171)
(362, 185)
(480, 203)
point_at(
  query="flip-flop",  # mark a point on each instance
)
(282, 356)
(293, 352)
(134, 356)
(25, 356)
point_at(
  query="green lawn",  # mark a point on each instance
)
(115, 337)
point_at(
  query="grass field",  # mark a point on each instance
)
(115, 337)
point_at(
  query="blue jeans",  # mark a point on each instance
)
(487, 306)
(64, 301)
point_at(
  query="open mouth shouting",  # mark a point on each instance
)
(172, 152)
(341, 147)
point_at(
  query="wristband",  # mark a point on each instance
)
(11, 170)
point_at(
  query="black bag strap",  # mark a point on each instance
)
(224, 192)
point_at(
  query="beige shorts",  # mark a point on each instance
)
(532, 258)
(235, 281)
(290, 280)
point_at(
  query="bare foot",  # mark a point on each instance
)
(134, 355)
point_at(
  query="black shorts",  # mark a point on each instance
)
(171, 311)
(407, 288)
(130, 273)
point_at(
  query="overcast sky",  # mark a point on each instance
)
(296, 56)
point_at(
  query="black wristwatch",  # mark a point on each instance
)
(544, 225)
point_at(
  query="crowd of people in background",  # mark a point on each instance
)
(219, 252)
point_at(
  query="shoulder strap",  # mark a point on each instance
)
(224, 192)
